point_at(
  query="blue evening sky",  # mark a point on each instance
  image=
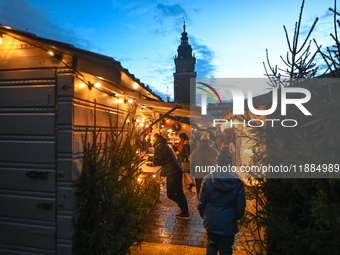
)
(229, 38)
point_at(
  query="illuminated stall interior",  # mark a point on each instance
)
(238, 126)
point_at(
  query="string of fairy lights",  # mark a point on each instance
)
(107, 89)
(92, 82)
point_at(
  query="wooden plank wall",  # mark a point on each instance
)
(27, 161)
(28, 147)
(44, 114)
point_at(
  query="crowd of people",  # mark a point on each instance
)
(221, 195)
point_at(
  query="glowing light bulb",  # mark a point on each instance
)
(100, 78)
(184, 126)
(97, 85)
(119, 100)
(154, 176)
(135, 85)
(51, 53)
(137, 120)
(141, 124)
(130, 101)
(81, 85)
(138, 179)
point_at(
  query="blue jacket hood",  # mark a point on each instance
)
(224, 182)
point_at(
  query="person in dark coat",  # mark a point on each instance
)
(183, 149)
(221, 203)
(172, 170)
(203, 156)
(224, 157)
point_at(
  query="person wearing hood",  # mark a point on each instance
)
(172, 170)
(203, 156)
(221, 203)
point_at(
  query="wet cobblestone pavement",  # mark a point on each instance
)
(163, 226)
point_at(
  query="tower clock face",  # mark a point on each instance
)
(184, 63)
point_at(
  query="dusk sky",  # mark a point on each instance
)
(229, 38)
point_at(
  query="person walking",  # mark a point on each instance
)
(183, 153)
(203, 156)
(172, 170)
(221, 203)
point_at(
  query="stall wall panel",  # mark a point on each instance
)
(99, 69)
(27, 155)
(79, 139)
(28, 56)
(11, 252)
(64, 141)
(28, 207)
(27, 179)
(65, 112)
(65, 83)
(69, 169)
(64, 249)
(27, 235)
(27, 123)
(27, 151)
(65, 227)
(29, 74)
(67, 199)
(24, 96)
(84, 116)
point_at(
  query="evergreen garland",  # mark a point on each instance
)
(177, 127)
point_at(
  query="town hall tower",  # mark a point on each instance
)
(185, 70)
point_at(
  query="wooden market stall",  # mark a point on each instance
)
(48, 93)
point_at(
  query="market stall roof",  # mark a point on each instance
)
(108, 69)
(149, 106)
